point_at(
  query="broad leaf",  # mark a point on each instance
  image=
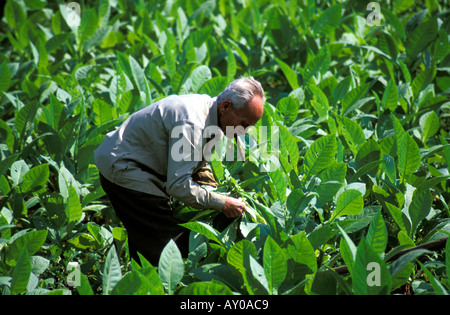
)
(170, 267)
(204, 229)
(206, 288)
(35, 178)
(290, 74)
(5, 76)
(300, 250)
(32, 241)
(21, 273)
(320, 155)
(370, 274)
(328, 20)
(349, 202)
(377, 235)
(348, 249)
(88, 25)
(419, 208)
(275, 267)
(73, 206)
(390, 96)
(351, 132)
(408, 156)
(112, 272)
(430, 125)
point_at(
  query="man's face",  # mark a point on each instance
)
(237, 121)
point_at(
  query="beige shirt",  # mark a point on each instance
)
(158, 148)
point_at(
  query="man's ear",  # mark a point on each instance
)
(225, 106)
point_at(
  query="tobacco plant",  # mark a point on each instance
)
(357, 98)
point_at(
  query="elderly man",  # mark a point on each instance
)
(141, 165)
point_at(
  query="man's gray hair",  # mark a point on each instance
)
(241, 91)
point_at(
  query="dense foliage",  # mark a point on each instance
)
(358, 99)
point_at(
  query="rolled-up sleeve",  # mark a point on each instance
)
(184, 156)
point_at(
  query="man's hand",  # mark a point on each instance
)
(233, 207)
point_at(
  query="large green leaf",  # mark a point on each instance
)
(348, 249)
(21, 273)
(132, 283)
(99, 36)
(83, 241)
(170, 267)
(35, 178)
(300, 250)
(5, 77)
(288, 107)
(103, 112)
(88, 25)
(367, 159)
(258, 274)
(353, 97)
(206, 288)
(328, 20)
(419, 208)
(104, 11)
(388, 44)
(320, 155)
(32, 241)
(73, 206)
(318, 64)
(319, 101)
(145, 280)
(15, 14)
(399, 264)
(138, 74)
(397, 215)
(402, 5)
(204, 229)
(182, 75)
(279, 182)
(408, 156)
(422, 80)
(6, 163)
(341, 89)
(396, 23)
(112, 272)
(231, 65)
(377, 235)
(429, 123)
(198, 77)
(420, 37)
(370, 274)
(170, 54)
(24, 118)
(352, 133)
(290, 74)
(390, 97)
(332, 180)
(240, 256)
(274, 263)
(214, 86)
(349, 202)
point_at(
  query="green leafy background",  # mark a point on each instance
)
(360, 173)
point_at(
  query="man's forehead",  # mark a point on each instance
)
(256, 108)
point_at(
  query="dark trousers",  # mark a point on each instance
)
(148, 220)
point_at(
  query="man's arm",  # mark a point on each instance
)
(184, 153)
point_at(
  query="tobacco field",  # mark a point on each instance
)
(356, 201)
